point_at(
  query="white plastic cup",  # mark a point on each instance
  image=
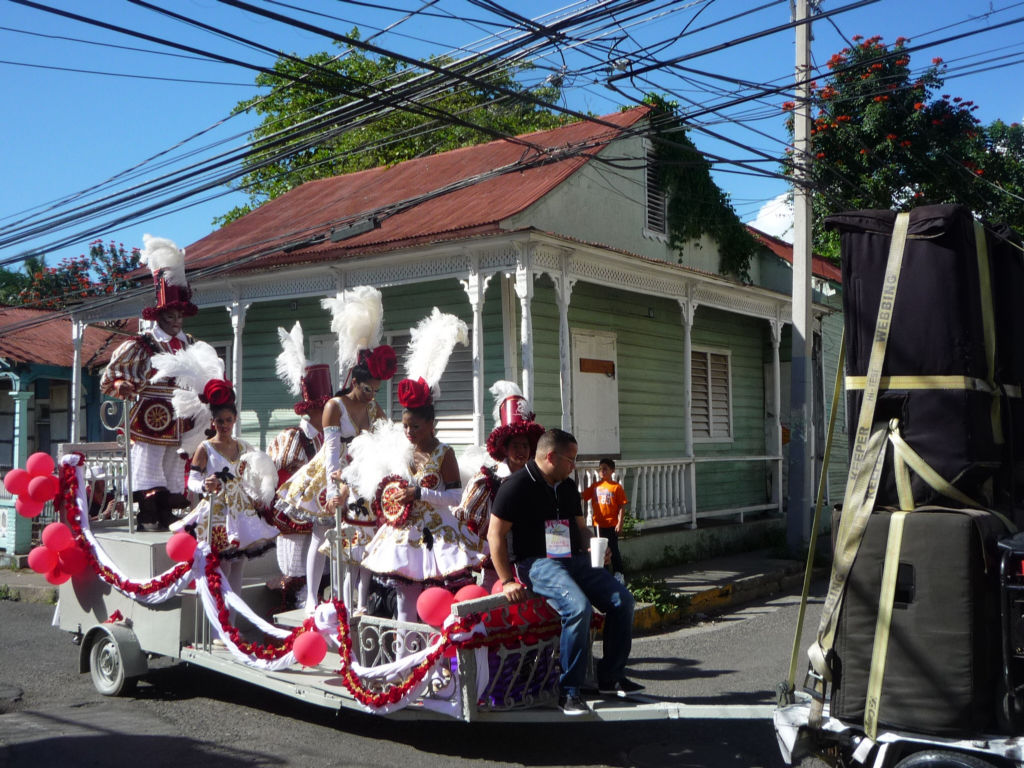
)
(598, 549)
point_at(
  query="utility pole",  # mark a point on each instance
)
(801, 467)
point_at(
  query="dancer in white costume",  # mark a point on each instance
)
(313, 494)
(293, 447)
(236, 481)
(421, 543)
(511, 444)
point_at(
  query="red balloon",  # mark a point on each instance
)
(39, 464)
(57, 537)
(309, 648)
(26, 507)
(181, 547)
(470, 592)
(40, 489)
(57, 575)
(42, 559)
(16, 481)
(497, 587)
(434, 605)
(72, 560)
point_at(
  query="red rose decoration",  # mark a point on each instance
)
(413, 394)
(218, 392)
(381, 362)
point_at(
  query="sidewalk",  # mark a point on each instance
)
(710, 585)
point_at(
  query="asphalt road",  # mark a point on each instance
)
(50, 715)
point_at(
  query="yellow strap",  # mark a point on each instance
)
(925, 382)
(883, 621)
(866, 458)
(934, 480)
(904, 490)
(837, 392)
(988, 323)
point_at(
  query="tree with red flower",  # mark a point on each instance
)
(886, 139)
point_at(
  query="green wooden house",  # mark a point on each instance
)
(553, 249)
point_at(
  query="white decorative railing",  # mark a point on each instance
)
(664, 491)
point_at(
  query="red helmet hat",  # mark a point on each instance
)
(316, 388)
(167, 263)
(516, 419)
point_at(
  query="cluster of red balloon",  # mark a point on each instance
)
(33, 486)
(434, 605)
(59, 558)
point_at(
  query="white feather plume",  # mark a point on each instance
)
(292, 362)
(502, 390)
(259, 477)
(191, 439)
(161, 254)
(191, 367)
(187, 405)
(357, 317)
(383, 451)
(430, 346)
(472, 458)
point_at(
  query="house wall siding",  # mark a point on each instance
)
(723, 484)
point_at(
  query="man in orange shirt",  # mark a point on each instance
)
(608, 501)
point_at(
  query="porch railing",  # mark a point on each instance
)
(664, 491)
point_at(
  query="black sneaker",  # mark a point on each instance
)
(621, 687)
(572, 705)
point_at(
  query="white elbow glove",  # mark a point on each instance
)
(449, 498)
(195, 481)
(332, 445)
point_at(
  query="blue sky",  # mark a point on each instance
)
(68, 129)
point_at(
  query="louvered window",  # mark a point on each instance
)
(711, 411)
(656, 208)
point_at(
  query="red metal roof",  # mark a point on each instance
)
(41, 337)
(450, 195)
(820, 266)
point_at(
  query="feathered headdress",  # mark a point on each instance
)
(357, 317)
(512, 416)
(199, 385)
(167, 263)
(303, 378)
(431, 344)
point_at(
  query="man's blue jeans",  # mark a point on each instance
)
(571, 585)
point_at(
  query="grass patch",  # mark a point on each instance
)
(6, 593)
(647, 589)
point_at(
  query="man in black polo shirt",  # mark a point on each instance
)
(540, 506)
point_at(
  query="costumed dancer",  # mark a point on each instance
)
(314, 494)
(511, 444)
(157, 452)
(295, 446)
(419, 542)
(236, 481)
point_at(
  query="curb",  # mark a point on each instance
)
(646, 617)
(24, 587)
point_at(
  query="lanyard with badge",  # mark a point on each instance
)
(557, 539)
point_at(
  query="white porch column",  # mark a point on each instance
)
(563, 288)
(475, 285)
(237, 310)
(775, 326)
(75, 404)
(524, 290)
(688, 307)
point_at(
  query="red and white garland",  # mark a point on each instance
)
(384, 688)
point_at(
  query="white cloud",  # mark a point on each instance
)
(776, 218)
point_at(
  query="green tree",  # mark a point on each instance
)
(11, 284)
(313, 124)
(72, 280)
(885, 138)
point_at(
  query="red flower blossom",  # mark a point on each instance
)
(788, 106)
(891, 136)
(937, 60)
(919, 106)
